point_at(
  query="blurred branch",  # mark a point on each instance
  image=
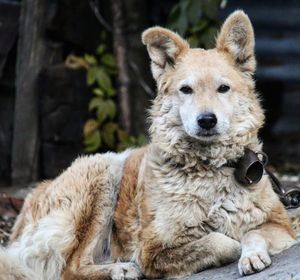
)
(94, 4)
(120, 50)
(142, 82)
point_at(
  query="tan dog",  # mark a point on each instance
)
(172, 208)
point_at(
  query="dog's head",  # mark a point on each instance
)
(211, 92)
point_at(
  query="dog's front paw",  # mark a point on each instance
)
(252, 261)
(123, 271)
(227, 249)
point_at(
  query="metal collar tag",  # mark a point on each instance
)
(251, 167)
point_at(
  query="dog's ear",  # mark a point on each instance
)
(237, 39)
(164, 47)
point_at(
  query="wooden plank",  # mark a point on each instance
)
(269, 15)
(283, 47)
(284, 72)
(34, 53)
(74, 22)
(62, 117)
(9, 18)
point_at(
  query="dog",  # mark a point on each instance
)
(173, 207)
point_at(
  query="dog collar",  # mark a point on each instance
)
(250, 168)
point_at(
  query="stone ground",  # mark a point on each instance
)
(285, 266)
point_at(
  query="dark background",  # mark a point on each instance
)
(43, 104)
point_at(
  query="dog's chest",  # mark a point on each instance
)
(196, 206)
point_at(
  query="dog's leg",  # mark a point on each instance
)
(257, 245)
(114, 271)
(81, 265)
(213, 249)
(29, 213)
(93, 215)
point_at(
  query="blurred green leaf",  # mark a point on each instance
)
(109, 139)
(109, 60)
(92, 141)
(123, 135)
(110, 127)
(132, 140)
(111, 92)
(194, 11)
(98, 92)
(211, 8)
(209, 37)
(196, 20)
(111, 71)
(91, 76)
(182, 25)
(109, 130)
(122, 146)
(141, 140)
(178, 19)
(111, 108)
(90, 59)
(90, 126)
(193, 41)
(101, 49)
(101, 116)
(200, 26)
(95, 103)
(103, 79)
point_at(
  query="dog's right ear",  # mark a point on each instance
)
(164, 47)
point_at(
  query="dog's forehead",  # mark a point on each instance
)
(204, 64)
(205, 58)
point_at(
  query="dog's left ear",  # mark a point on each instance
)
(237, 39)
(164, 48)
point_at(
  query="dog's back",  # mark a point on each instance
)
(59, 216)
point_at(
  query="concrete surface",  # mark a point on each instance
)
(285, 266)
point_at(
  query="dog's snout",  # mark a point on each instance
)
(207, 120)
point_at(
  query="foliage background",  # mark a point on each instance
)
(195, 20)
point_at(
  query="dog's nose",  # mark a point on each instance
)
(207, 120)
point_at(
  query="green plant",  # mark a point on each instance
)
(102, 129)
(196, 20)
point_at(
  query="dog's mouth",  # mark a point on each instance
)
(207, 133)
(206, 136)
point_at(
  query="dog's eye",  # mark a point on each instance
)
(223, 88)
(186, 90)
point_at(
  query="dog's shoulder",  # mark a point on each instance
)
(124, 234)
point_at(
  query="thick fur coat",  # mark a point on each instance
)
(172, 208)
